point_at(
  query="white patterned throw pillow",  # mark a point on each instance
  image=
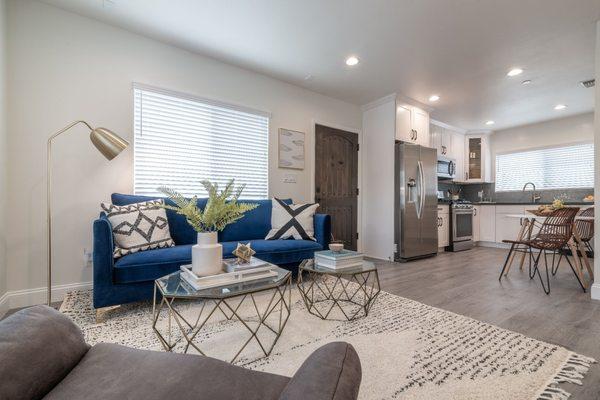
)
(292, 221)
(137, 227)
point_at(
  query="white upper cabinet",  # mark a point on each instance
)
(457, 153)
(404, 130)
(478, 162)
(435, 137)
(412, 124)
(420, 124)
(441, 139)
(446, 140)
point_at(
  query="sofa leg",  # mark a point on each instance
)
(98, 315)
(103, 313)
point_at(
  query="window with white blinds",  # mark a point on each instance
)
(551, 168)
(181, 140)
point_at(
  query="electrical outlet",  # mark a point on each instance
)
(289, 178)
(87, 258)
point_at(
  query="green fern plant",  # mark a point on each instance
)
(221, 209)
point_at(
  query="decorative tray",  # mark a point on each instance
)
(543, 213)
(224, 279)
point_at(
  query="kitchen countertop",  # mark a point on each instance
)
(519, 203)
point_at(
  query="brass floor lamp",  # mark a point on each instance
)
(108, 143)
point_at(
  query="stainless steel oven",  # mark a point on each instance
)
(461, 226)
(446, 168)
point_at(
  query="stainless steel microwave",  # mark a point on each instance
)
(446, 168)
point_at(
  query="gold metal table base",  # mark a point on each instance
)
(352, 294)
(279, 303)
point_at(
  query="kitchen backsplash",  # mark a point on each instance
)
(471, 192)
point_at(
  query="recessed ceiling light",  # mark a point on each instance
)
(515, 72)
(560, 107)
(435, 97)
(351, 61)
(490, 122)
(526, 82)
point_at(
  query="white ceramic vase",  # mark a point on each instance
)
(207, 255)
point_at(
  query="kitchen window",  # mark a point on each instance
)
(565, 167)
(180, 140)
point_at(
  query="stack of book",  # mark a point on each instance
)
(338, 259)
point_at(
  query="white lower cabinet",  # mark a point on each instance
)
(443, 226)
(476, 227)
(487, 223)
(507, 228)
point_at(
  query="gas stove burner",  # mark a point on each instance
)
(462, 204)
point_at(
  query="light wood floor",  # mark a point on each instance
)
(467, 283)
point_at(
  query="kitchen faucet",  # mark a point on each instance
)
(534, 196)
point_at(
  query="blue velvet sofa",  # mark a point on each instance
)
(131, 277)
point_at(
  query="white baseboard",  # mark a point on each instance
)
(596, 291)
(4, 304)
(30, 297)
(493, 245)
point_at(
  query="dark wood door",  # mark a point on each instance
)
(336, 181)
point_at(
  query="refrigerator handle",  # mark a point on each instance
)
(423, 189)
(421, 177)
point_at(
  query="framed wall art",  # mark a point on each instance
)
(291, 149)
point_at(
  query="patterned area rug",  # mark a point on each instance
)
(408, 350)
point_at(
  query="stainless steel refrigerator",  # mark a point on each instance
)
(416, 232)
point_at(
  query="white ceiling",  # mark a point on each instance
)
(459, 49)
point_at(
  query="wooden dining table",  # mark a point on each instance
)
(529, 222)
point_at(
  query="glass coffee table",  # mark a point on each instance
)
(350, 293)
(227, 300)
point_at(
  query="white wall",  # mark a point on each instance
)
(578, 128)
(64, 67)
(596, 286)
(3, 157)
(379, 127)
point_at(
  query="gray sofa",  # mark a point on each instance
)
(43, 355)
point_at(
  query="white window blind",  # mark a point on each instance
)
(552, 168)
(181, 140)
